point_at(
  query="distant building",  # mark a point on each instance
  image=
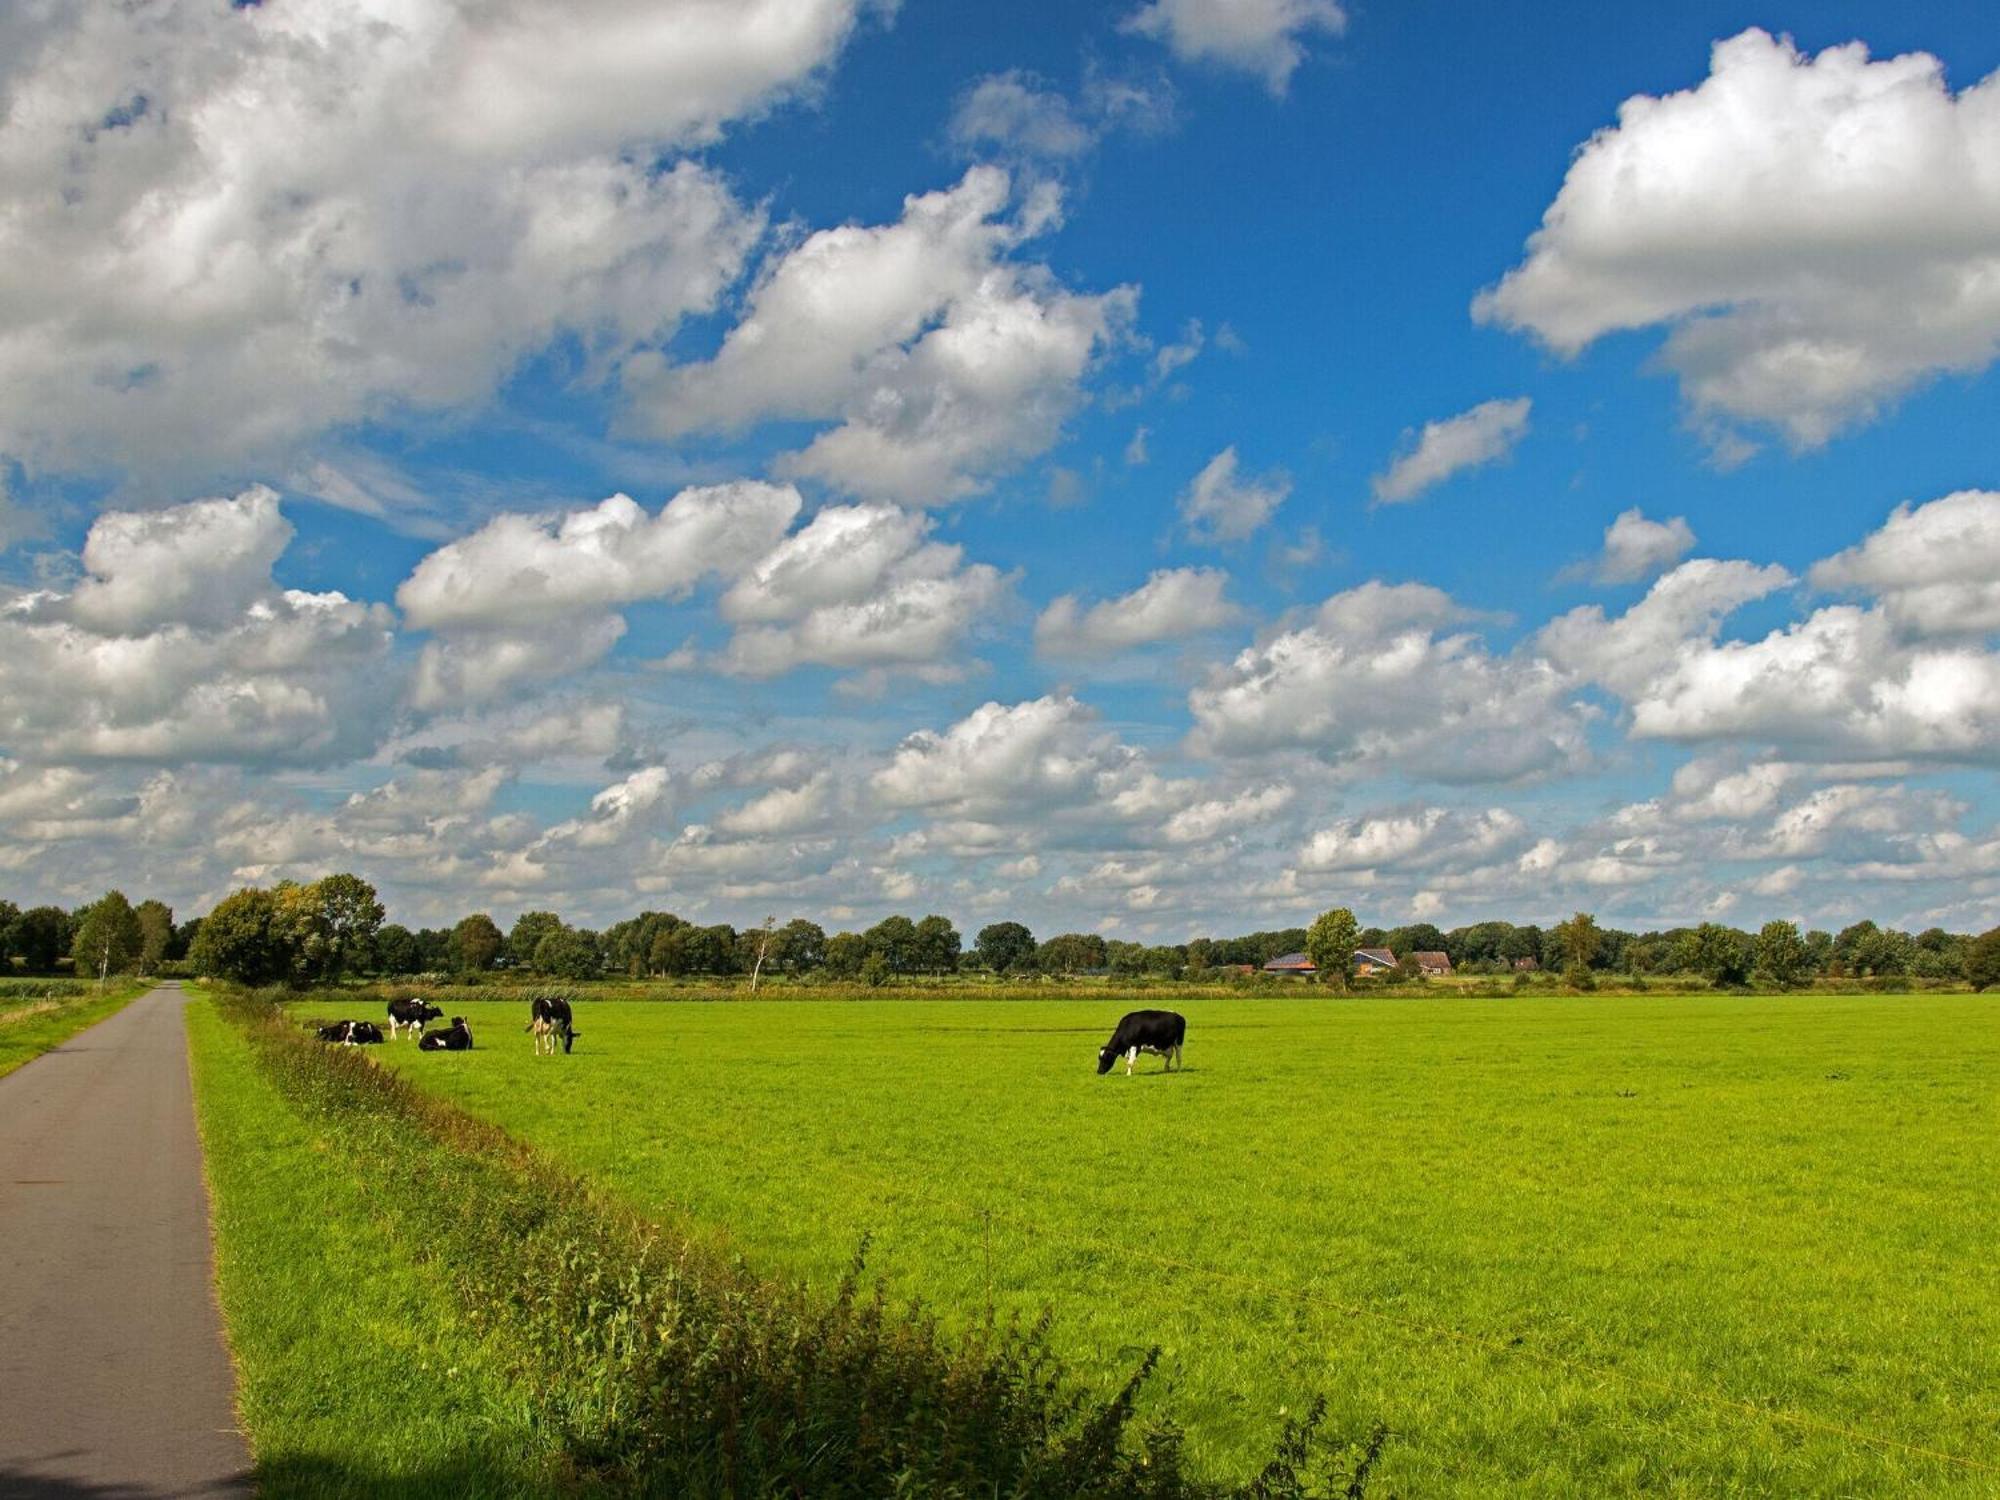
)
(1291, 963)
(1373, 960)
(1526, 963)
(1432, 965)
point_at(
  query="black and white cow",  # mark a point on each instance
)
(411, 1013)
(457, 1038)
(1160, 1032)
(351, 1033)
(549, 1019)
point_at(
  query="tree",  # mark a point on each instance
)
(9, 914)
(567, 954)
(527, 934)
(937, 946)
(801, 945)
(1578, 940)
(475, 943)
(1982, 960)
(1330, 944)
(156, 934)
(236, 940)
(350, 914)
(41, 936)
(1782, 952)
(895, 938)
(845, 953)
(1004, 946)
(397, 951)
(1068, 952)
(1721, 955)
(108, 938)
(669, 953)
(763, 942)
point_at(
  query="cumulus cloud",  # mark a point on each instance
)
(1935, 568)
(1373, 679)
(1414, 840)
(1263, 37)
(1681, 611)
(224, 229)
(529, 569)
(1014, 112)
(1819, 234)
(146, 661)
(1172, 604)
(1221, 506)
(1636, 548)
(1480, 436)
(938, 356)
(858, 587)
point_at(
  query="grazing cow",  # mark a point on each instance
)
(1160, 1032)
(458, 1038)
(549, 1019)
(411, 1013)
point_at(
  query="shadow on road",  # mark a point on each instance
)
(293, 1478)
(30, 1480)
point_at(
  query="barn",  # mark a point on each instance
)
(1373, 960)
(1291, 963)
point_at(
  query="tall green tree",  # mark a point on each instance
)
(895, 938)
(1070, 952)
(1005, 945)
(801, 945)
(1782, 952)
(525, 939)
(937, 946)
(156, 934)
(1721, 955)
(397, 950)
(1330, 944)
(108, 938)
(1982, 960)
(1578, 940)
(9, 915)
(475, 943)
(41, 936)
(568, 954)
(845, 954)
(237, 941)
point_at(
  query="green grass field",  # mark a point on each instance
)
(1683, 1245)
(37, 1015)
(355, 1377)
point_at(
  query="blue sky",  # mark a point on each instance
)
(1125, 467)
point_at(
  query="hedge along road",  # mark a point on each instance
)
(112, 1358)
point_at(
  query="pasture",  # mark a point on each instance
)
(37, 1015)
(1688, 1245)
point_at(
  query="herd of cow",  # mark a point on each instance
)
(549, 1019)
(1160, 1032)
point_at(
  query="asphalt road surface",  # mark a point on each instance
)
(115, 1383)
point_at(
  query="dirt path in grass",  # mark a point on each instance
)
(115, 1377)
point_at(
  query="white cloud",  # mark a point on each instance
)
(1414, 840)
(1014, 112)
(1221, 817)
(1681, 611)
(478, 665)
(940, 359)
(225, 229)
(1935, 568)
(1218, 506)
(527, 569)
(1370, 682)
(1819, 234)
(858, 587)
(1636, 548)
(1446, 447)
(1264, 37)
(1172, 604)
(177, 646)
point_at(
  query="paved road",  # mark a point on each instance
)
(114, 1381)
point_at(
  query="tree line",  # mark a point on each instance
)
(318, 932)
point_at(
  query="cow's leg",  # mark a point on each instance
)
(1131, 1056)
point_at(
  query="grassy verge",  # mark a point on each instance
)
(640, 1360)
(356, 1374)
(39, 1015)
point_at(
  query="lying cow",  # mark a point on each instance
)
(351, 1033)
(457, 1038)
(549, 1019)
(1159, 1032)
(411, 1013)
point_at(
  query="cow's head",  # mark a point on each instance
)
(429, 1012)
(569, 1038)
(1107, 1058)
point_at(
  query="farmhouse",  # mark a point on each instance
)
(1526, 964)
(1431, 965)
(1373, 960)
(1291, 963)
